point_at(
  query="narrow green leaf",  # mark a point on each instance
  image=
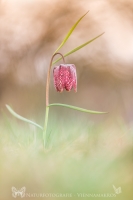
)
(77, 48)
(69, 33)
(22, 118)
(77, 108)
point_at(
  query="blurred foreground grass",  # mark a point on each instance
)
(81, 158)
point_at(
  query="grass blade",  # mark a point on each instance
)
(69, 33)
(77, 48)
(77, 108)
(22, 118)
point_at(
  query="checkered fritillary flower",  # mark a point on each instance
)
(65, 77)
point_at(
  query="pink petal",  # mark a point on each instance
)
(57, 79)
(65, 77)
(71, 81)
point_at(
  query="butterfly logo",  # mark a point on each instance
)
(117, 190)
(20, 192)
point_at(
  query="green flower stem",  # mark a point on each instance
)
(45, 126)
(47, 97)
(48, 77)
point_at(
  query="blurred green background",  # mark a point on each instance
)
(86, 153)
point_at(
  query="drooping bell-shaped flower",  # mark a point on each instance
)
(65, 77)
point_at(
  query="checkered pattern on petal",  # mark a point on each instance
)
(65, 77)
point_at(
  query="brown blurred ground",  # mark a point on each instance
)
(31, 30)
